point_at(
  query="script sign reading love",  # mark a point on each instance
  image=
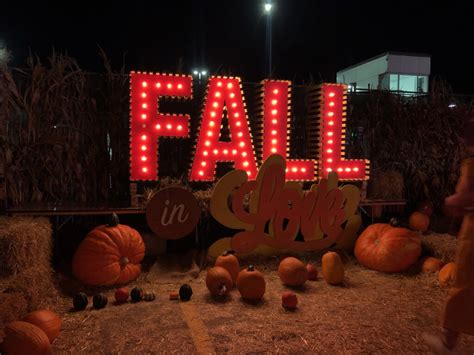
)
(278, 210)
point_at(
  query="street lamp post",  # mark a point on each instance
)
(268, 10)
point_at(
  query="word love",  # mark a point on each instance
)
(278, 210)
(172, 213)
(225, 97)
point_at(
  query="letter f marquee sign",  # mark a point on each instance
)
(326, 129)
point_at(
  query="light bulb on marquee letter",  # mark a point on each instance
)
(276, 130)
(147, 124)
(223, 92)
(333, 101)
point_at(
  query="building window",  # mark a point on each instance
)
(393, 82)
(422, 84)
(408, 83)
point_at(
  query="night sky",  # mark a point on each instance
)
(310, 38)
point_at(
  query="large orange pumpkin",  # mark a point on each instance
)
(23, 338)
(419, 222)
(48, 321)
(229, 262)
(384, 248)
(251, 284)
(109, 255)
(218, 281)
(292, 272)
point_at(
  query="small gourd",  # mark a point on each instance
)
(80, 301)
(149, 296)
(136, 294)
(185, 292)
(99, 301)
(333, 269)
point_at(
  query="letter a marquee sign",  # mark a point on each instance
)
(148, 125)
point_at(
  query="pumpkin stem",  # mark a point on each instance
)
(114, 220)
(250, 268)
(228, 252)
(124, 261)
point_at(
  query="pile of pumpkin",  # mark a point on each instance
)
(250, 282)
(391, 248)
(32, 335)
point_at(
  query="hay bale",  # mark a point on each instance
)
(442, 246)
(25, 259)
(386, 185)
(13, 306)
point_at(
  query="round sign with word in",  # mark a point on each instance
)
(172, 213)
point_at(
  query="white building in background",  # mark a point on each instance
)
(405, 73)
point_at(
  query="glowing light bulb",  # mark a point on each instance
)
(330, 114)
(143, 158)
(236, 114)
(144, 137)
(339, 169)
(328, 170)
(158, 126)
(246, 163)
(274, 102)
(169, 126)
(229, 86)
(179, 127)
(331, 123)
(219, 83)
(329, 150)
(303, 170)
(234, 105)
(275, 91)
(207, 143)
(238, 123)
(169, 86)
(329, 160)
(225, 151)
(331, 94)
(180, 86)
(330, 134)
(143, 147)
(234, 151)
(248, 173)
(215, 104)
(347, 169)
(274, 112)
(356, 169)
(215, 151)
(218, 94)
(274, 141)
(144, 84)
(201, 173)
(143, 94)
(244, 154)
(274, 150)
(294, 169)
(212, 123)
(331, 103)
(209, 133)
(213, 114)
(145, 170)
(144, 105)
(242, 144)
(158, 85)
(203, 163)
(143, 116)
(330, 141)
(232, 95)
(205, 153)
(240, 134)
(274, 121)
(274, 132)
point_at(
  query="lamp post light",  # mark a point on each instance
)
(268, 11)
(200, 74)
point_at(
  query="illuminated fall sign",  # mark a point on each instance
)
(225, 95)
(272, 212)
